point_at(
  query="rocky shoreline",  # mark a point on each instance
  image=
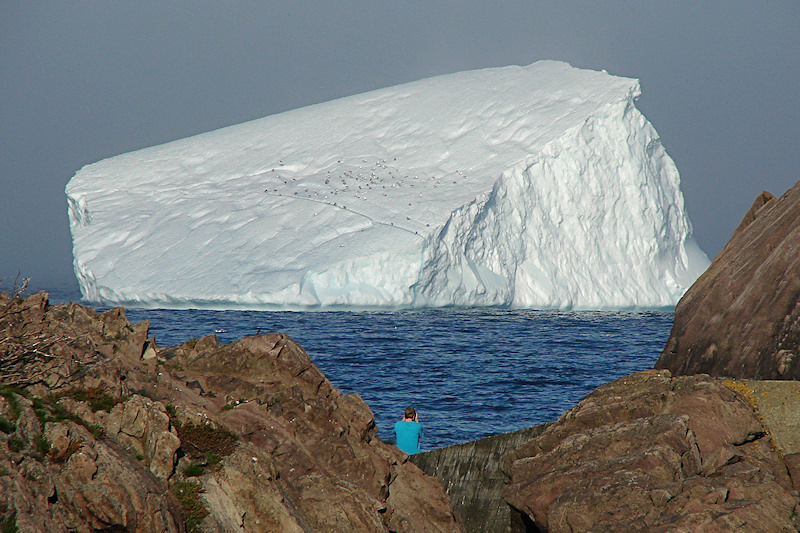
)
(647, 452)
(101, 429)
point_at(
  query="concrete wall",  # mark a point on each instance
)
(473, 479)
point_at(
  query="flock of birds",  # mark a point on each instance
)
(345, 185)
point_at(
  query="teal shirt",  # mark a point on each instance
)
(408, 435)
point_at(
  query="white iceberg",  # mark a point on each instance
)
(529, 187)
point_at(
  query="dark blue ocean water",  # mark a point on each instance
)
(469, 373)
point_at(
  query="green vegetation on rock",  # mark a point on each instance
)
(188, 495)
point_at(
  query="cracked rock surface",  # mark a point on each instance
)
(102, 429)
(652, 452)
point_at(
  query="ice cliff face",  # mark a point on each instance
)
(539, 186)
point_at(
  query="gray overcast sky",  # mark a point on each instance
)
(81, 81)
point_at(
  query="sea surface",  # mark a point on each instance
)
(469, 373)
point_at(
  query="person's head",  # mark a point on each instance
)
(410, 413)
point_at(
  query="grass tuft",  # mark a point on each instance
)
(188, 494)
(16, 444)
(96, 430)
(10, 394)
(194, 470)
(96, 397)
(42, 446)
(9, 523)
(6, 426)
(199, 439)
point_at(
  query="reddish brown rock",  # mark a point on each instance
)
(741, 318)
(649, 452)
(102, 429)
(77, 483)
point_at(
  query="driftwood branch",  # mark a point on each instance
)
(25, 361)
(20, 287)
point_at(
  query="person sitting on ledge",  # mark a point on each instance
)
(408, 431)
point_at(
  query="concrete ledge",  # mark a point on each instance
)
(473, 479)
(778, 404)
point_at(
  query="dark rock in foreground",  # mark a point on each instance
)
(741, 318)
(101, 429)
(653, 453)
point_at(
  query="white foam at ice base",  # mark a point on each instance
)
(539, 186)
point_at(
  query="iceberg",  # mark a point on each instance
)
(528, 187)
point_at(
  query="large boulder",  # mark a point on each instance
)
(102, 429)
(741, 318)
(650, 452)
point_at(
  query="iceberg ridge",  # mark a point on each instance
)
(538, 187)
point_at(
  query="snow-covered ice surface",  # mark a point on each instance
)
(539, 186)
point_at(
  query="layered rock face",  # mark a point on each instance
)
(649, 452)
(101, 429)
(741, 318)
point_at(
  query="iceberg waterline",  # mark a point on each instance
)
(539, 186)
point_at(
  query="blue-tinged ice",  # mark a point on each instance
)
(532, 187)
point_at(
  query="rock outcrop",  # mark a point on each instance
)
(649, 452)
(741, 318)
(102, 429)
